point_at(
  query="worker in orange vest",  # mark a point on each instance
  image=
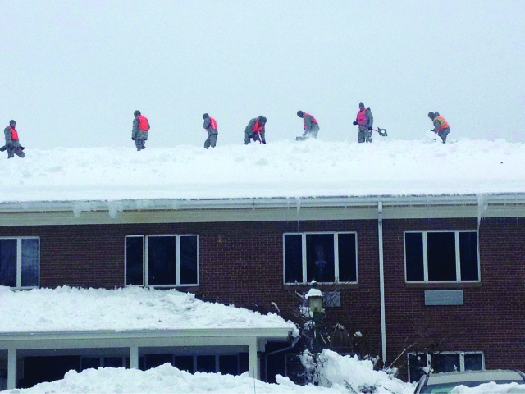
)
(311, 127)
(139, 133)
(256, 130)
(12, 142)
(441, 126)
(210, 124)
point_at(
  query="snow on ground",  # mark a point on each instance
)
(278, 169)
(130, 308)
(339, 372)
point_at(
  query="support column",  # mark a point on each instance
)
(134, 357)
(11, 369)
(253, 359)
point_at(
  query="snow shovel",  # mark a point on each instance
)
(382, 132)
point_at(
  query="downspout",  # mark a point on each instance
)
(295, 340)
(381, 280)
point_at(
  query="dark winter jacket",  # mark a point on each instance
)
(207, 125)
(8, 141)
(369, 118)
(310, 124)
(136, 133)
(251, 123)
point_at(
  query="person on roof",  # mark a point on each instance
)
(139, 133)
(12, 142)
(311, 127)
(210, 124)
(364, 122)
(256, 130)
(441, 126)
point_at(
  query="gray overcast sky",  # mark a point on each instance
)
(73, 71)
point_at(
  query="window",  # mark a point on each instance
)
(323, 257)
(441, 256)
(19, 262)
(162, 260)
(444, 362)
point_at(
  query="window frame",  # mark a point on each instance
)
(424, 238)
(145, 260)
(336, 256)
(461, 358)
(18, 265)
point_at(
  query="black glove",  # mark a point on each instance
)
(355, 122)
(369, 127)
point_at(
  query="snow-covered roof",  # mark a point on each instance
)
(284, 169)
(126, 309)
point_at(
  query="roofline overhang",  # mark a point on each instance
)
(260, 203)
(282, 333)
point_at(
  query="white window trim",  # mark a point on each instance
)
(461, 358)
(18, 266)
(336, 256)
(145, 260)
(425, 256)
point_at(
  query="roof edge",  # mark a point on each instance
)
(78, 206)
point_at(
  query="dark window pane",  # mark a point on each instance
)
(415, 364)
(112, 362)
(30, 262)
(184, 363)
(134, 261)
(320, 258)
(473, 362)
(347, 259)
(229, 365)
(441, 256)
(155, 360)
(445, 362)
(188, 260)
(8, 262)
(206, 364)
(293, 258)
(468, 255)
(89, 362)
(162, 261)
(244, 362)
(414, 256)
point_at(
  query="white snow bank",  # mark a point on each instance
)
(279, 169)
(342, 373)
(492, 388)
(354, 375)
(163, 379)
(132, 308)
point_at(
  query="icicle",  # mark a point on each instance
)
(482, 207)
(114, 207)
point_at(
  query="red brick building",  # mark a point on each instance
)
(425, 279)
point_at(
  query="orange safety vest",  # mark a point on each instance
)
(361, 117)
(256, 127)
(14, 134)
(305, 115)
(143, 123)
(444, 123)
(213, 123)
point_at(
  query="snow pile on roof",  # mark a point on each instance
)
(133, 308)
(291, 169)
(168, 379)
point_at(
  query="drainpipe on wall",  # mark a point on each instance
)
(381, 280)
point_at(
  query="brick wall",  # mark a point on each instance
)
(491, 318)
(242, 263)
